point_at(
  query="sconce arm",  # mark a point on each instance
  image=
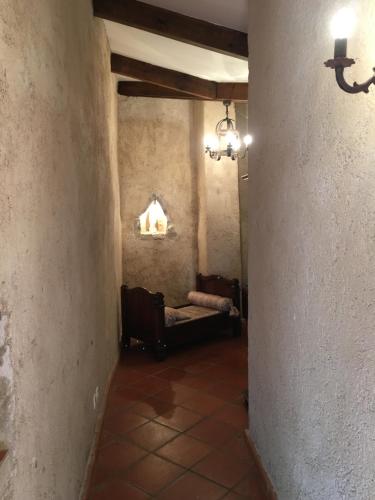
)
(339, 64)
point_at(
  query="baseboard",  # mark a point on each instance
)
(98, 427)
(271, 492)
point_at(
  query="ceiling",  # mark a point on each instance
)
(168, 53)
(183, 57)
(229, 13)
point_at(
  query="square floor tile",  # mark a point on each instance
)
(198, 367)
(125, 377)
(152, 407)
(151, 385)
(117, 489)
(252, 486)
(152, 435)
(203, 403)
(124, 397)
(105, 439)
(192, 487)
(234, 415)
(238, 447)
(179, 419)
(219, 372)
(122, 422)
(238, 378)
(224, 390)
(177, 393)
(182, 395)
(114, 459)
(187, 356)
(172, 374)
(198, 382)
(153, 473)
(222, 468)
(213, 432)
(142, 361)
(235, 496)
(185, 450)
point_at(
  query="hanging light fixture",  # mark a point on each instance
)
(227, 141)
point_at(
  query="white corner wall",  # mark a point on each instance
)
(60, 262)
(311, 254)
(161, 152)
(155, 157)
(219, 241)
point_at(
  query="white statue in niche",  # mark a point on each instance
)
(153, 221)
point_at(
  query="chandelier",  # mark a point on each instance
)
(227, 141)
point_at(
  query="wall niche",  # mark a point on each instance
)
(154, 221)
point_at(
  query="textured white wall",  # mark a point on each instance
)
(60, 242)
(219, 243)
(161, 151)
(243, 190)
(155, 157)
(311, 254)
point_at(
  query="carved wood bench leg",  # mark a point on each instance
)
(160, 351)
(237, 327)
(125, 341)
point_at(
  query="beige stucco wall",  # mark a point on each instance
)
(218, 198)
(243, 189)
(60, 242)
(311, 254)
(161, 152)
(155, 157)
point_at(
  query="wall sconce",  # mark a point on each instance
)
(342, 27)
(226, 140)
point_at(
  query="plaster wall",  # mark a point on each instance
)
(219, 214)
(161, 152)
(243, 188)
(60, 266)
(311, 254)
(155, 157)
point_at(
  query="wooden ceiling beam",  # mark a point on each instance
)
(233, 91)
(173, 25)
(163, 77)
(143, 89)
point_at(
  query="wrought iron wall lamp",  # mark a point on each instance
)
(342, 27)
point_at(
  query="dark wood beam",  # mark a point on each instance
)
(173, 25)
(142, 89)
(236, 91)
(232, 91)
(163, 77)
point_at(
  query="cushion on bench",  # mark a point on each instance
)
(174, 315)
(212, 301)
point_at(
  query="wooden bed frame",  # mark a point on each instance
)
(143, 316)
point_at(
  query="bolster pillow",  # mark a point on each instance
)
(173, 315)
(217, 302)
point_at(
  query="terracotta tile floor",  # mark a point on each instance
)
(175, 430)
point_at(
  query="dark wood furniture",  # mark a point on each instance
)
(143, 316)
(245, 302)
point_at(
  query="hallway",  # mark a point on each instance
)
(175, 430)
(152, 146)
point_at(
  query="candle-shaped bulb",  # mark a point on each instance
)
(230, 137)
(211, 141)
(343, 23)
(248, 139)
